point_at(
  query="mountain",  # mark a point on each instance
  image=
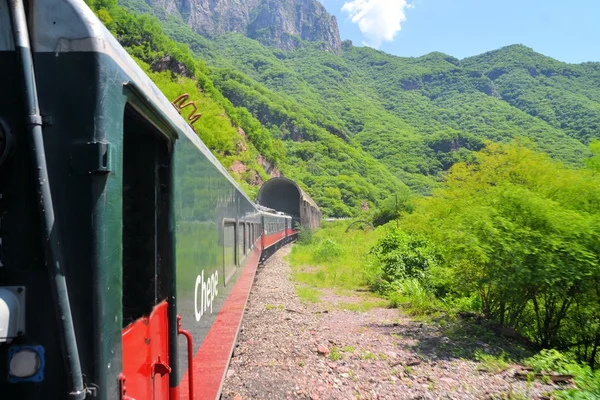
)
(279, 23)
(419, 115)
(355, 126)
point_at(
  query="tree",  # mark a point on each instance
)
(522, 231)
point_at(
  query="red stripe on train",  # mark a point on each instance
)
(273, 238)
(212, 359)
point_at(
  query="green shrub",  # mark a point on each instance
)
(586, 380)
(326, 250)
(492, 363)
(402, 256)
(411, 294)
(305, 236)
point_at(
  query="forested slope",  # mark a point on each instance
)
(356, 126)
(264, 134)
(420, 115)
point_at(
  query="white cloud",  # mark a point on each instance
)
(378, 20)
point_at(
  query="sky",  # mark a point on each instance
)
(567, 30)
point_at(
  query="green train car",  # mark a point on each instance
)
(127, 251)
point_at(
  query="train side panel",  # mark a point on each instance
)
(217, 251)
(136, 193)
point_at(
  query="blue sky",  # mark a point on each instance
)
(566, 30)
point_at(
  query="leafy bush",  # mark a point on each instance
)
(411, 294)
(586, 380)
(492, 363)
(305, 236)
(521, 232)
(327, 249)
(391, 208)
(402, 256)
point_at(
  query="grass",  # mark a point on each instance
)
(586, 380)
(362, 306)
(415, 299)
(309, 294)
(334, 258)
(273, 306)
(492, 363)
(348, 349)
(335, 354)
(368, 356)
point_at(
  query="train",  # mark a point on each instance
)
(127, 251)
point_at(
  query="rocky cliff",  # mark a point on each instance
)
(279, 23)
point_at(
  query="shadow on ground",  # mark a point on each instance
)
(460, 339)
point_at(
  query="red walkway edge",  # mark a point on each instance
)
(212, 359)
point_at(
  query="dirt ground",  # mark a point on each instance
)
(289, 349)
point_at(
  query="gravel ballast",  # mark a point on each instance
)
(290, 349)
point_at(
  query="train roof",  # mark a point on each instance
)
(264, 209)
(276, 214)
(66, 26)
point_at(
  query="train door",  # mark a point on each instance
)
(147, 262)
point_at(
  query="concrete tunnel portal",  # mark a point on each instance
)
(281, 194)
(285, 195)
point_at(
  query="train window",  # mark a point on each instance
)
(249, 236)
(145, 234)
(253, 239)
(229, 257)
(244, 233)
(241, 250)
(245, 238)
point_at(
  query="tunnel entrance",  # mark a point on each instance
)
(281, 194)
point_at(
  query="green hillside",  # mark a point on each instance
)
(358, 127)
(418, 115)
